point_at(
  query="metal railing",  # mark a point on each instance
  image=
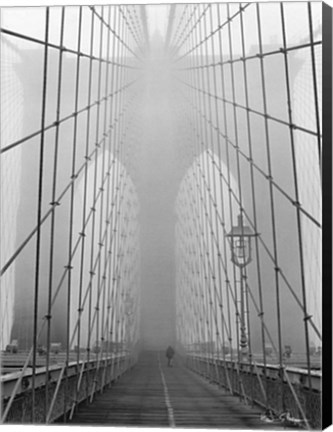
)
(259, 384)
(65, 392)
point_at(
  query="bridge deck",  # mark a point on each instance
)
(152, 394)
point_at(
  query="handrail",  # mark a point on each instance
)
(296, 380)
(317, 374)
(42, 376)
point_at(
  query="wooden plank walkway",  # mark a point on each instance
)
(154, 395)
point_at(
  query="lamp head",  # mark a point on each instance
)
(240, 242)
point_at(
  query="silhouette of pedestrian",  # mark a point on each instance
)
(170, 352)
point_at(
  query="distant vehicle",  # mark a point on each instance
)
(55, 347)
(12, 347)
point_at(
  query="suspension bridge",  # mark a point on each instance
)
(162, 186)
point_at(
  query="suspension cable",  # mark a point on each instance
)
(39, 216)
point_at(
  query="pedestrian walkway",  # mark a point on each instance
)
(153, 394)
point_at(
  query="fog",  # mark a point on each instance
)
(160, 148)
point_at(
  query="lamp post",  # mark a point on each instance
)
(241, 256)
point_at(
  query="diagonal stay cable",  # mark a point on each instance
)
(18, 382)
(251, 110)
(62, 48)
(176, 33)
(179, 42)
(253, 56)
(90, 326)
(55, 203)
(196, 24)
(262, 172)
(68, 117)
(213, 32)
(269, 253)
(92, 8)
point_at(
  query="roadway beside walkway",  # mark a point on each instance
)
(153, 394)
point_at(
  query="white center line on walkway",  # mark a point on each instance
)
(166, 396)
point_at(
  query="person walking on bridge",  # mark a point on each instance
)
(170, 352)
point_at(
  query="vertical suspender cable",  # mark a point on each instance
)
(271, 192)
(120, 248)
(113, 208)
(84, 203)
(73, 176)
(200, 224)
(199, 337)
(53, 204)
(198, 207)
(39, 216)
(219, 332)
(206, 190)
(254, 206)
(222, 193)
(92, 273)
(119, 281)
(315, 88)
(298, 214)
(98, 280)
(239, 178)
(200, 334)
(225, 120)
(214, 224)
(118, 190)
(221, 305)
(111, 194)
(107, 258)
(203, 210)
(85, 198)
